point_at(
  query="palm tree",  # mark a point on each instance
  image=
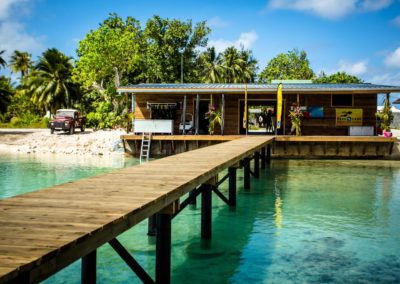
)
(232, 65)
(248, 66)
(211, 69)
(6, 91)
(20, 62)
(3, 63)
(50, 83)
(239, 66)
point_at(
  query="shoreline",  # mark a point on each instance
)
(40, 141)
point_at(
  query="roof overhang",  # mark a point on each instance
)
(257, 89)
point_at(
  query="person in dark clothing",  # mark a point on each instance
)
(268, 121)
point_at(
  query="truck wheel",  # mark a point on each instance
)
(72, 130)
(82, 128)
(51, 130)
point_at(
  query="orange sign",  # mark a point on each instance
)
(349, 116)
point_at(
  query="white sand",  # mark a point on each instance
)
(40, 141)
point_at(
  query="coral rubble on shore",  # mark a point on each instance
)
(42, 142)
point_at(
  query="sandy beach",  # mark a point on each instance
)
(40, 141)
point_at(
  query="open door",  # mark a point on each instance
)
(261, 117)
(203, 121)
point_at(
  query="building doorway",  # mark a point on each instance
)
(203, 121)
(261, 117)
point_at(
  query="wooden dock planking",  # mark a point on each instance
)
(184, 137)
(372, 139)
(46, 230)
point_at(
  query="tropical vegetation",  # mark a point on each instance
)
(295, 116)
(288, 66)
(122, 51)
(337, 78)
(20, 62)
(385, 116)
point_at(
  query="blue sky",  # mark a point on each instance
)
(361, 37)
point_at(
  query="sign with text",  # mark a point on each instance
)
(349, 116)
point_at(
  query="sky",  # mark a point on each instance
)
(360, 37)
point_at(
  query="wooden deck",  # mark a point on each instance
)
(356, 139)
(219, 138)
(44, 231)
(284, 146)
(279, 138)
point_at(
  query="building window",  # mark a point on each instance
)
(342, 100)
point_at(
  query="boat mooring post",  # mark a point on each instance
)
(257, 164)
(232, 186)
(89, 268)
(163, 243)
(246, 177)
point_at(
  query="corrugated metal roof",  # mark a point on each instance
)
(256, 88)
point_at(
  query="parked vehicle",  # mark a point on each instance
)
(67, 120)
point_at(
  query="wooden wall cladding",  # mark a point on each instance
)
(314, 126)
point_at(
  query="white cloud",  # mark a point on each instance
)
(393, 59)
(13, 36)
(6, 7)
(246, 40)
(374, 5)
(330, 9)
(217, 22)
(357, 68)
(396, 21)
(392, 79)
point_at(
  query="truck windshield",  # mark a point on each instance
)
(65, 113)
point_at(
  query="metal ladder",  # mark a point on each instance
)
(145, 147)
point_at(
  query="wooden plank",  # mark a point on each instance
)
(127, 137)
(371, 139)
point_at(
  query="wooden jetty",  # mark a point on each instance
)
(284, 146)
(363, 147)
(44, 231)
(165, 145)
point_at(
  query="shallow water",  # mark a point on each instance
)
(301, 222)
(24, 173)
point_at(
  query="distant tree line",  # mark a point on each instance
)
(121, 52)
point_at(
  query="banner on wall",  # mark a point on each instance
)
(349, 116)
(279, 106)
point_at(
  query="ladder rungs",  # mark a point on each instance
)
(145, 147)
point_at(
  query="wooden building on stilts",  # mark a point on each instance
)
(328, 109)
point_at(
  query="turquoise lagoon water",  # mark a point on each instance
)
(301, 222)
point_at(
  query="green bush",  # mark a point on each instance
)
(15, 121)
(29, 120)
(103, 117)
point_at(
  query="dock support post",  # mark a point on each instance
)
(232, 186)
(152, 226)
(257, 164)
(269, 154)
(246, 177)
(89, 268)
(163, 249)
(263, 158)
(206, 207)
(194, 202)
